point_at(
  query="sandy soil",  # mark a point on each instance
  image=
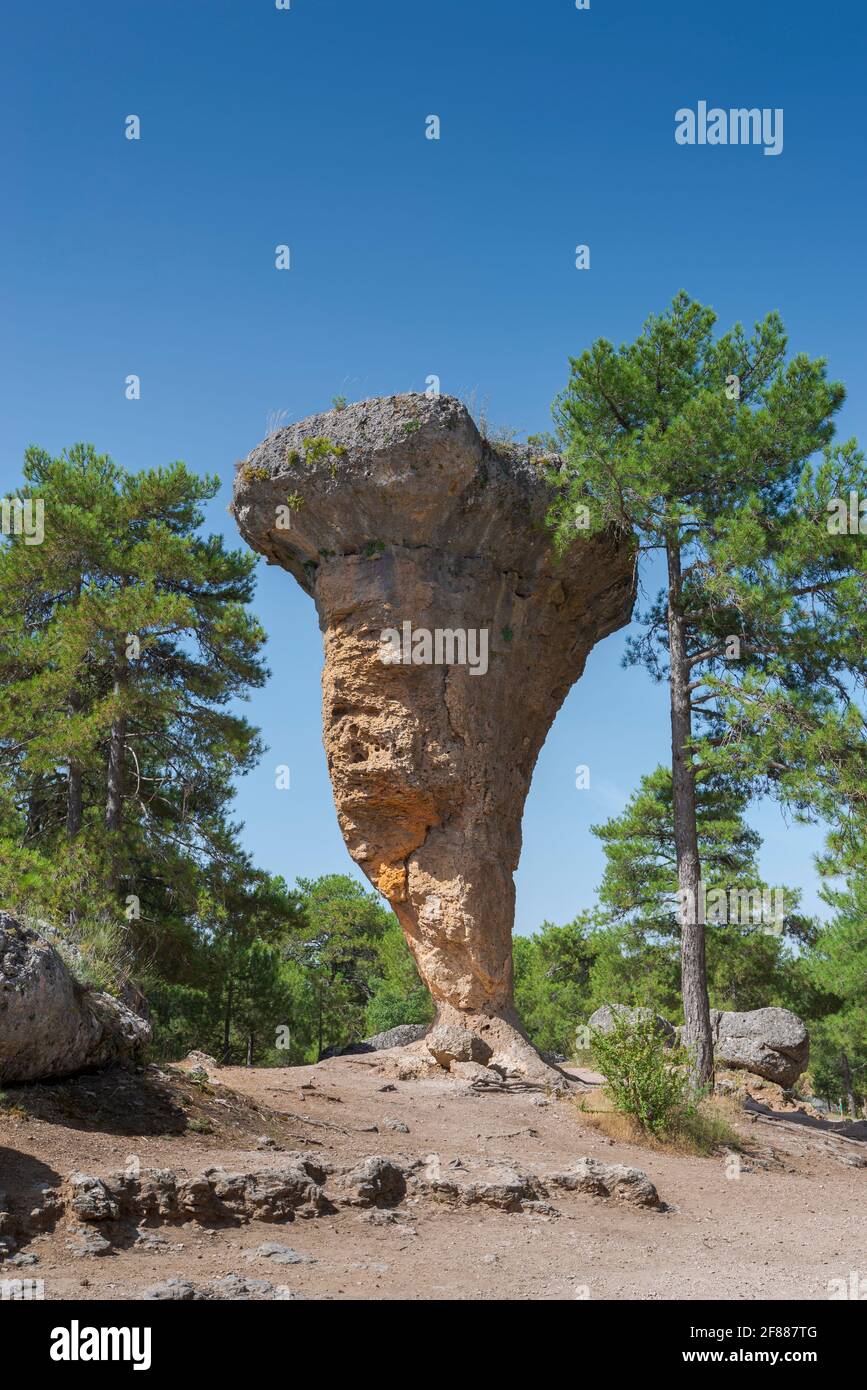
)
(794, 1219)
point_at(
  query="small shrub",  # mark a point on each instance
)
(338, 402)
(643, 1079)
(254, 475)
(294, 501)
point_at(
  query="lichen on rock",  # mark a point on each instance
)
(413, 525)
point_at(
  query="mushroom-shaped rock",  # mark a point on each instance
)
(452, 632)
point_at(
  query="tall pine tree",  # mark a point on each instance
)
(702, 446)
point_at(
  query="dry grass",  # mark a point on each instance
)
(707, 1130)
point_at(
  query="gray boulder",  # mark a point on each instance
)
(773, 1043)
(401, 1036)
(50, 1025)
(602, 1021)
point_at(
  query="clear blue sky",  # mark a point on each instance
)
(410, 257)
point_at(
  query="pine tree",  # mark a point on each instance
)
(837, 963)
(753, 932)
(701, 446)
(125, 639)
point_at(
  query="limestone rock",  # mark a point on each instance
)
(280, 1254)
(264, 1194)
(773, 1043)
(50, 1025)
(401, 1036)
(90, 1199)
(509, 1188)
(450, 1044)
(376, 1181)
(597, 1179)
(475, 1072)
(602, 1021)
(407, 527)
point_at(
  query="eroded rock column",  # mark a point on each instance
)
(452, 634)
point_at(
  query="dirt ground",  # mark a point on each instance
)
(793, 1220)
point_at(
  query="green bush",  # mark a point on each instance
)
(643, 1079)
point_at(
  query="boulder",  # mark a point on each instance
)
(401, 1036)
(602, 1021)
(773, 1043)
(375, 1181)
(50, 1025)
(453, 630)
(450, 1044)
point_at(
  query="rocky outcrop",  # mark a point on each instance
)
(50, 1025)
(773, 1043)
(102, 1213)
(452, 634)
(274, 1193)
(510, 1188)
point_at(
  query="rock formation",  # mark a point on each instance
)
(50, 1025)
(773, 1043)
(452, 634)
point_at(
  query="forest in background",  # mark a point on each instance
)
(128, 643)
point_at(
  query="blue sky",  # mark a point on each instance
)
(410, 257)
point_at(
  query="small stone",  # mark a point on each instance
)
(280, 1254)
(266, 1142)
(176, 1290)
(87, 1243)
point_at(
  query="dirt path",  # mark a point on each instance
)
(794, 1219)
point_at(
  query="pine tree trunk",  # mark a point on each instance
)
(74, 775)
(847, 1085)
(693, 965)
(114, 799)
(116, 749)
(34, 810)
(74, 799)
(249, 1049)
(114, 782)
(227, 1018)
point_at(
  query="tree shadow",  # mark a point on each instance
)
(846, 1129)
(110, 1102)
